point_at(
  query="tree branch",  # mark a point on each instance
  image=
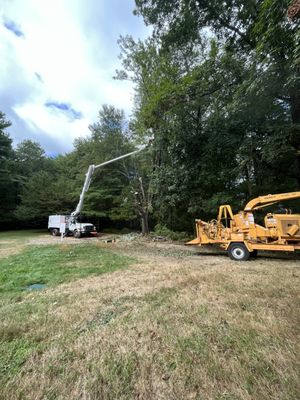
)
(236, 30)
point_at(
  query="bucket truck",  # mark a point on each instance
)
(69, 224)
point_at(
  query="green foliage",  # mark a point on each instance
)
(30, 158)
(41, 196)
(224, 108)
(7, 173)
(44, 185)
(109, 139)
(162, 230)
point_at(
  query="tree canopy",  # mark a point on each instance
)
(7, 173)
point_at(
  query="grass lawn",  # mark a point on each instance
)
(22, 311)
(147, 321)
(22, 235)
(52, 265)
(12, 241)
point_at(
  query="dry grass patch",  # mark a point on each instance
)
(172, 326)
(9, 250)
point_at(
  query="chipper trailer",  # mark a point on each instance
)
(69, 224)
(241, 237)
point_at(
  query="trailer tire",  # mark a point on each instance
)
(238, 252)
(54, 232)
(77, 234)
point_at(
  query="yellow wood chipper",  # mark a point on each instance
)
(241, 237)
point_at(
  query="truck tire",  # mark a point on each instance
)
(238, 252)
(54, 232)
(76, 234)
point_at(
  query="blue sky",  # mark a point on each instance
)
(58, 59)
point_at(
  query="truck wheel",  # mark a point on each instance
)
(76, 234)
(238, 252)
(55, 232)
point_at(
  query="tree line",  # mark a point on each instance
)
(217, 85)
(34, 185)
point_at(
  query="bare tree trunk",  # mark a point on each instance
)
(144, 211)
(249, 185)
(145, 223)
(142, 204)
(295, 111)
(295, 108)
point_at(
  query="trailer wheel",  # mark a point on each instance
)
(238, 252)
(55, 232)
(76, 234)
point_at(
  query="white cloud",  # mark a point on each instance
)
(66, 54)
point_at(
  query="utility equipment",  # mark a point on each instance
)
(70, 223)
(242, 237)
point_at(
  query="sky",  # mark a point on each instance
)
(58, 59)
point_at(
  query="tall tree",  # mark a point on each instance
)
(7, 173)
(218, 103)
(109, 139)
(259, 29)
(47, 190)
(121, 189)
(30, 157)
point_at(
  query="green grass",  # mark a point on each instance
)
(21, 235)
(52, 265)
(12, 355)
(22, 314)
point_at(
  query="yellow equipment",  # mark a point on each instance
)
(242, 237)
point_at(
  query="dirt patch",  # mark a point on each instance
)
(48, 240)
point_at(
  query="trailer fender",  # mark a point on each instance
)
(247, 244)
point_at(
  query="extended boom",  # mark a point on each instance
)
(68, 223)
(89, 176)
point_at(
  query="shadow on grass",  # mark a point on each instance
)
(261, 255)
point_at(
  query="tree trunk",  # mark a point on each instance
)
(295, 108)
(248, 182)
(144, 223)
(142, 201)
(295, 111)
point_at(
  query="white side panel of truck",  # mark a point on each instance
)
(55, 221)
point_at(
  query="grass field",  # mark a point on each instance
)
(144, 320)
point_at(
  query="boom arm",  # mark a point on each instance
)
(264, 201)
(89, 175)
